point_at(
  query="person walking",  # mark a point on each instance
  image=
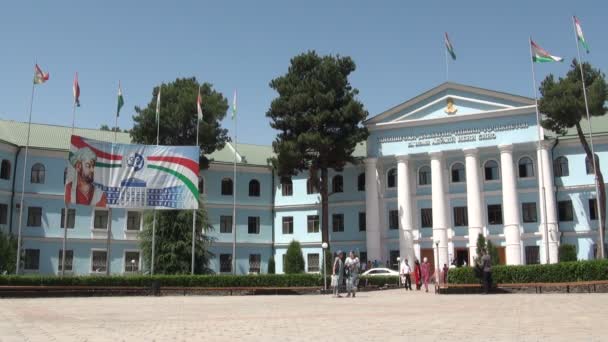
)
(351, 267)
(337, 274)
(417, 275)
(406, 271)
(426, 273)
(486, 265)
(445, 273)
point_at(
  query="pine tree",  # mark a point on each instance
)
(294, 260)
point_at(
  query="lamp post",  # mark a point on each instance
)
(437, 263)
(324, 246)
(132, 265)
(398, 270)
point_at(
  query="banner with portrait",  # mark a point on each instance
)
(107, 175)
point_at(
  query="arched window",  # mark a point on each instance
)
(337, 184)
(201, 185)
(424, 175)
(5, 169)
(254, 188)
(560, 167)
(38, 173)
(391, 178)
(286, 186)
(589, 164)
(526, 167)
(361, 182)
(227, 187)
(310, 187)
(491, 170)
(65, 175)
(458, 173)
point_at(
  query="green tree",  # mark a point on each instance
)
(178, 120)
(319, 120)
(563, 104)
(271, 265)
(493, 251)
(482, 246)
(294, 260)
(567, 253)
(8, 253)
(113, 129)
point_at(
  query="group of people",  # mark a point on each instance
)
(422, 274)
(345, 271)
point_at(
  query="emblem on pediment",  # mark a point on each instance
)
(450, 106)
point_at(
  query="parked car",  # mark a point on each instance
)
(380, 272)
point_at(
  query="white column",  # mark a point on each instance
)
(372, 218)
(545, 171)
(440, 219)
(510, 206)
(404, 205)
(474, 213)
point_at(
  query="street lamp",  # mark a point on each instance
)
(398, 270)
(437, 263)
(324, 246)
(132, 265)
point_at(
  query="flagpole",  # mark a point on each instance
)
(447, 66)
(597, 189)
(234, 188)
(154, 210)
(194, 211)
(67, 204)
(27, 144)
(541, 177)
(108, 240)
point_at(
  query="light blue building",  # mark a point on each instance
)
(437, 170)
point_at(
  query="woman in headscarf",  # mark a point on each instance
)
(426, 273)
(417, 275)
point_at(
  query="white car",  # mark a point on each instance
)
(380, 272)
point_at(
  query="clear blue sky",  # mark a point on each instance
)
(397, 46)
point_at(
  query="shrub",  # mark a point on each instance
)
(8, 252)
(294, 260)
(271, 266)
(567, 253)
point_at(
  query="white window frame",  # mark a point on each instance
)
(464, 181)
(59, 262)
(91, 271)
(386, 187)
(32, 270)
(483, 171)
(124, 261)
(141, 220)
(418, 177)
(94, 209)
(534, 170)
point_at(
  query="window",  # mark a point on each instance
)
(34, 216)
(3, 213)
(532, 255)
(529, 212)
(494, 214)
(98, 261)
(227, 187)
(133, 220)
(426, 217)
(286, 186)
(225, 224)
(526, 168)
(71, 218)
(424, 176)
(38, 174)
(287, 224)
(254, 188)
(564, 211)
(313, 262)
(225, 263)
(337, 222)
(491, 170)
(363, 257)
(31, 260)
(589, 164)
(337, 184)
(5, 169)
(65, 175)
(69, 259)
(201, 185)
(391, 178)
(100, 220)
(254, 263)
(361, 182)
(393, 255)
(132, 261)
(458, 175)
(313, 223)
(253, 225)
(393, 219)
(592, 209)
(461, 218)
(310, 188)
(362, 222)
(560, 167)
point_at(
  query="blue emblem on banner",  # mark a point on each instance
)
(136, 161)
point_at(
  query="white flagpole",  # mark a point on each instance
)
(234, 188)
(447, 64)
(109, 236)
(67, 204)
(198, 122)
(597, 188)
(540, 162)
(27, 144)
(154, 210)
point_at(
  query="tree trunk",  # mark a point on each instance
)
(599, 178)
(324, 207)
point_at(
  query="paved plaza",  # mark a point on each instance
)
(374, 316)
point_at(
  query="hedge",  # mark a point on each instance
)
(553, 273)
(262, 280)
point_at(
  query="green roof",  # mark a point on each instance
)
(247, 154)
(599, 126)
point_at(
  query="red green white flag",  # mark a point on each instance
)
(539, 55)
(40, 76)
(76, 91)
(579, 34)
(449, 47)
(199, 102)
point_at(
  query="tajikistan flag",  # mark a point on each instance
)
(579, 34)
(539, 55)
(449, 47)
